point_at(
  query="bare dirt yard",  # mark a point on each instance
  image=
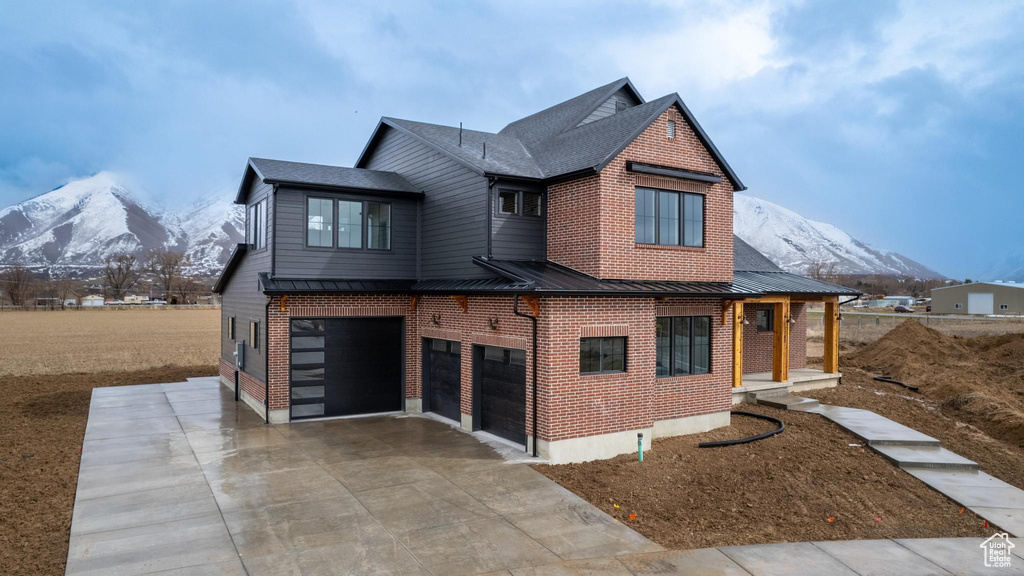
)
(812, 482)
(59, 341)
(44, 406)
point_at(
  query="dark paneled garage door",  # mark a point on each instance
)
(345, 366)
(501, 377)
(442, 377)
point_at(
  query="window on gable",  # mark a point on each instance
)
(683, 345)
(350, 224)
(620, 105)
(508, 202)
(256, 233)
(598, 355)
(669, 218)
(378, 225)
(671, 131)
(765, 320)
(319, 222)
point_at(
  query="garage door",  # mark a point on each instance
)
(500, 397)
(345, 366)
(980, 303)
(442, 377)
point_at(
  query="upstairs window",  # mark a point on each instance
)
(320, 222)
(257, 229)
(517, 202)
(378, 226)
(350, 224)
(669, 218)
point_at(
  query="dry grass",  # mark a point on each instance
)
(58, 342)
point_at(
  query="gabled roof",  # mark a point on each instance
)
(536, 128)
(746, 258)
(551, 144)
(320, 176)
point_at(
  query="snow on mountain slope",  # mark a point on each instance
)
(793, 242)
(81, 223)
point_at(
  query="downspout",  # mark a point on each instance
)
(515, 310)
(491, 181)
(266, 363)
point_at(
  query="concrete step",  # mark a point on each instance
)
(874, 429)
(786, 401)
(933, 457)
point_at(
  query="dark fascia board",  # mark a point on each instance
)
(243, 189)
(695, 126)
(233, 261)
(644, 168)
(378, 131)
(615, 88)
(348, 190)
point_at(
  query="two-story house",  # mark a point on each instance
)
(566, 284)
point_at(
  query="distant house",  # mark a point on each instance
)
(92, 300)
(565, 284)
(979, 298)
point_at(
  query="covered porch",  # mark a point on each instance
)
(780, 312)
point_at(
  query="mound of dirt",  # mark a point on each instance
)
(982, 378)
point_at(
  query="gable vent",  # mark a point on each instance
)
(671, 128)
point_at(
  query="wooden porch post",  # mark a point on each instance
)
(737, 344)
(831, 363)
(780, 350)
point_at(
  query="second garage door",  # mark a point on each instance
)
(500, 394)
(442, 377)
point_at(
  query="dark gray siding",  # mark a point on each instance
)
(243, 298)
(518, 237)
(453, 224)
(294, 259)
(607, 108)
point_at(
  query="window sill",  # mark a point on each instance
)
(603, 375)
(669, 247)
(680, 376)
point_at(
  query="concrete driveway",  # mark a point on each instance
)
(179, 479)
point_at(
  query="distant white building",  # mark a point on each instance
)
(92, 300)
(133, 299)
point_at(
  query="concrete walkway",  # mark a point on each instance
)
(924, 458)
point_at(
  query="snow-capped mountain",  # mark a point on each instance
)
(79, 224)
(794, 242)
(1009, 267)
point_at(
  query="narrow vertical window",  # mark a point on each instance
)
(231, 327)
(350, 224)
(378, 225)
(668, 218)
(508, 202)
(531, 204)
(663, 342)
(319, 222)
(250, 233)
(645, 216)
(671, 132)
(681, 345)
(261, 225)
(254, 335)
(701, 345)
(694, 220)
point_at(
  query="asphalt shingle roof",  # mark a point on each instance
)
(283, 172)
(746, 258)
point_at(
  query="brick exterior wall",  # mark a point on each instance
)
(758, 346)
(571, 405)
(250, 384)
(591, 225)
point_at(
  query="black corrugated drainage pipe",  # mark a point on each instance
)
(515, 310)
(761, 436)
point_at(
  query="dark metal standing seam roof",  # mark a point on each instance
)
(754, 271)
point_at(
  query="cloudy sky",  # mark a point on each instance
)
(902, 123)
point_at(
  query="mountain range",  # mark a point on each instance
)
(74, 227)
